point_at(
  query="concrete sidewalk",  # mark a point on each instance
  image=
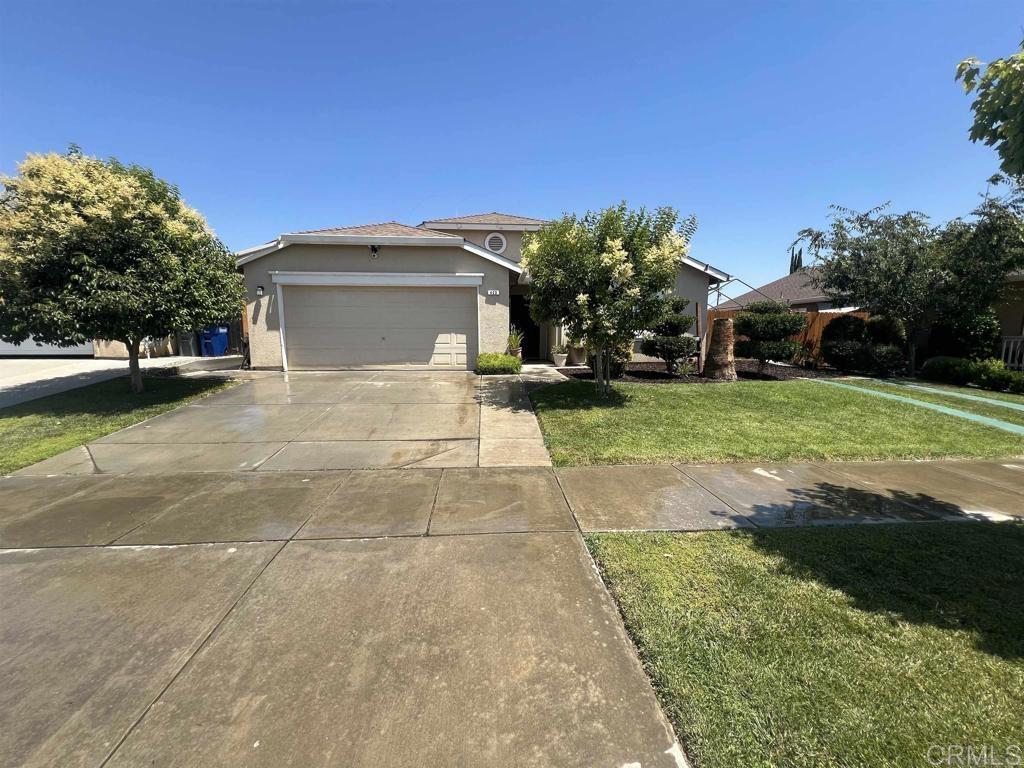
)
(24, 379)
(377, 618)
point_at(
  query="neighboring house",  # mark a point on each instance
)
(1010, 310)
(797, 289)
(396, 296)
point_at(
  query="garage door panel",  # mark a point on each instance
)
(357, 327)
(372, 338)
(334, 316)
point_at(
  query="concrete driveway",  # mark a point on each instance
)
(367, 618)
(328, 421)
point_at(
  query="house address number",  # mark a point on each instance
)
(493, 292)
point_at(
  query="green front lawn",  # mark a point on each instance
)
(750, 421)
(990, 410)
(828, 646)
(39, 429)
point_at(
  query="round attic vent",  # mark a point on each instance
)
(495, 242)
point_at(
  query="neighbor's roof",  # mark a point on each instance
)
(384, 229)
(487, 219)
(795, 288)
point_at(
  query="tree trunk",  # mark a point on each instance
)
(720, 363)
(133, 365)
(606, 379)
(912, 355)
(599, 365)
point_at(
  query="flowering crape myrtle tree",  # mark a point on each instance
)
(93, 249)
(605, 276)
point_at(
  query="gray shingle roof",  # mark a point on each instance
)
(384, 229)
(795, 288)
(489, 218)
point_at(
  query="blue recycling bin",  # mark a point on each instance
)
(214, 341)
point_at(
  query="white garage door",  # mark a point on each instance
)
(345, 327)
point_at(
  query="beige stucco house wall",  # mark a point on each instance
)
(384, 328)
(262, 311)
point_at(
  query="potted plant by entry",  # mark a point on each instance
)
(577, 352)
(559, 354)
(515, 342)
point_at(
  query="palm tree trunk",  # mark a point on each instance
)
(720, 363)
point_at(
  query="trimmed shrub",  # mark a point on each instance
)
(674, 350)
(844, 328)
(987, 374)
(494, 363)
(886, 359)
(768, 326)
(667, 340)
(947, 370)
(846, 355)
(976, 338)
(880, 329)
(851, 343)
(991, 374)
(619, 359)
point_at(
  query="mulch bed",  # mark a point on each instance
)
(654, 373)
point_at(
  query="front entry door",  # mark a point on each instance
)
(519, 316)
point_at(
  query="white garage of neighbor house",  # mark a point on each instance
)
(396, 296)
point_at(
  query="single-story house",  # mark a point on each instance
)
(392, 295)
(797, 289)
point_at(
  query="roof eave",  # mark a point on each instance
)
(326, 239)
(251, 254)
(718, 275)
(481, 227)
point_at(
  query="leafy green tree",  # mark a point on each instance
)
(998, 107)
(605, 276)
(768, 326)
(978, 253)
(668, 340)
(94, 249)
(886, 264)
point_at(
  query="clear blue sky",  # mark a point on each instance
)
(275, 116)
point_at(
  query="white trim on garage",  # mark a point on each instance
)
(420, 279)
(282, 278)
(280, 314)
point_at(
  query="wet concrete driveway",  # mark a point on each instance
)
(328, 421)
(384, 617)
(357, 618)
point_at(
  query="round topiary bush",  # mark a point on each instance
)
(880, 329)
(844, 328)
(667, 340)
(768, 327)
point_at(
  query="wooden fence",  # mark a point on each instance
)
(809, 336)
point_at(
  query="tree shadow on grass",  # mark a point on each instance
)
(953, 575)
(577, 395)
